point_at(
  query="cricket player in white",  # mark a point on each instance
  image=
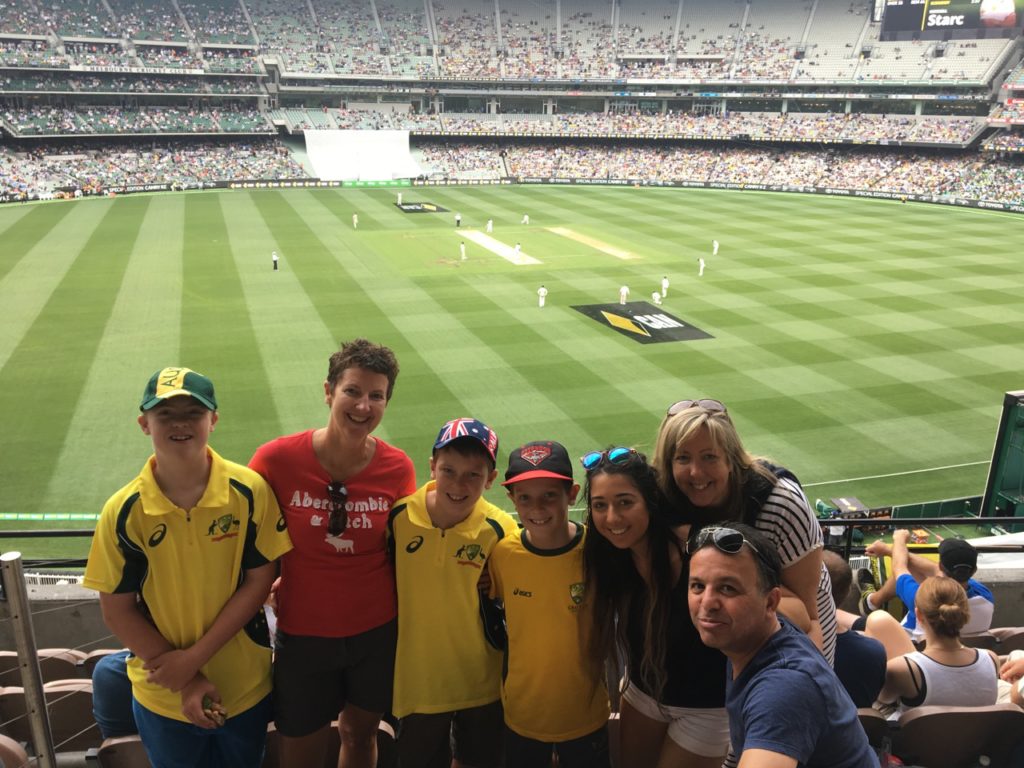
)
(355, 221)
(700, 262)
(623, 294)
(274, 257)
(542, 294)
(462, 251)
(526, 219)
(399, 198)
(714, 247)
(490, 225)
(664, 286)
(656, 298)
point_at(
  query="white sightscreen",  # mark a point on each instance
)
(361, 155)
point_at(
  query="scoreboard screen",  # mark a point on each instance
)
(932, 18)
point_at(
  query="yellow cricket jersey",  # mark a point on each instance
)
(185, 565)
(548, 692)
(443, 662)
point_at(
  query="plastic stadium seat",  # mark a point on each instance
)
(1010, 639)
(69, 703)
(954, 737)
(60, 663)
(123, 752)
(89, 662)
(988, 641)
(875, 725)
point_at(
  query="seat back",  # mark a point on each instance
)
(12, 754)
(954, 737)
(875, 725)
(71, 720)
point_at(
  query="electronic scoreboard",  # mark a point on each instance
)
(934, 18)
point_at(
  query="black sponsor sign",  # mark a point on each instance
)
(421, 208)
(642, 322)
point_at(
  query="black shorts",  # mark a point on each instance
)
(425, 741)
(315, 677)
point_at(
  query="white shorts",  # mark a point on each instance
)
(704, 732)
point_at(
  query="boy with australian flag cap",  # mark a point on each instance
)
(447, 676)
(555, 703)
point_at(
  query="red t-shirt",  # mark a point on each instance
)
(334, 586)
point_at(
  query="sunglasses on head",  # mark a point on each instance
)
(713, 406)
(338, 519)
(617, 456)
(727, 540)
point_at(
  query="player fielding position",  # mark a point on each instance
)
(714, 247)
(462, 251)
(274, 257)
(664, 286)
(399, 201)
(656, 298)
(490, 226)
(458, 219)
(526, 219)
(542, 294)
(700, 265)
(516, 251)
(355, 221)
(623, 294)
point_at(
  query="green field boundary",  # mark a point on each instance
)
(48, 516)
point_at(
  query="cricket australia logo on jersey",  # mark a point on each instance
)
(471, 555)
(576, 594)
(224, 527)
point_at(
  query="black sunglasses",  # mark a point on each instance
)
(713, 406)
(338, 520)
(617, 456)
(727, 540)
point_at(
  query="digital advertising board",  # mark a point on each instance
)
(937, 19)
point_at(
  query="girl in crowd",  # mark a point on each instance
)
(946, 672)
(336, 627)
(709, 477)
(672, 709)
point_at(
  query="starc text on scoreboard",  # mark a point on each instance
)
(937, 18)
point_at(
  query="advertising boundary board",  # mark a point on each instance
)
(317, 184)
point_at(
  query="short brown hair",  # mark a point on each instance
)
(360, 353)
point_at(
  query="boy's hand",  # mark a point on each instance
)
(272, 597)
(878, 549)
(172, 670)
(200, 703)
(1012, 670)
(901, 536)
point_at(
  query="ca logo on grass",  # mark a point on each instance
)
(642, 322)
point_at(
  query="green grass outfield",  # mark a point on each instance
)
(852, 338)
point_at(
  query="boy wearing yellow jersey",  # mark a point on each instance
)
(183, 558)
(447, 676)
(554, 702)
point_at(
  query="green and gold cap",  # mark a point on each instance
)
(171, 382)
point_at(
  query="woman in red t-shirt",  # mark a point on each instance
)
(336, 626)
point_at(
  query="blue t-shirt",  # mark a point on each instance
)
(977, 594)
(788, 700)
(860, 666)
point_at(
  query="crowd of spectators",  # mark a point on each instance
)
(79, 18)
(937, 175)
(30, 53)
(43, 121)
(522, 42)
(91, 168)
(217, 21)
(960, 175)
(828, 127)
(149, 19)
(1005, 141)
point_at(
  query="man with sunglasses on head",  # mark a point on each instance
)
(786, 707)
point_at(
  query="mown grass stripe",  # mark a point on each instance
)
(48, 370)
